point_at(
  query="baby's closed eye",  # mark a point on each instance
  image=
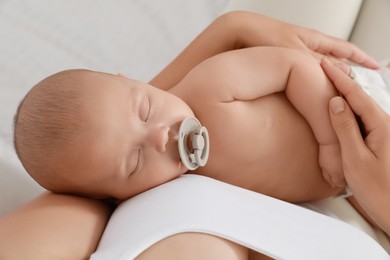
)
(145, 109)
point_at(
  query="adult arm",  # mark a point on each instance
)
(365, 160)
(53, 226)
(240, 29)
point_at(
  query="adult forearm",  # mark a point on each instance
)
(240, 29)
(53, 226)
(230, 31)
(216, 38)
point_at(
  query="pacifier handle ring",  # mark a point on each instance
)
(201, 155)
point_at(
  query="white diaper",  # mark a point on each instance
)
(375, 83)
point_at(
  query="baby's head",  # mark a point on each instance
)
(98, 134)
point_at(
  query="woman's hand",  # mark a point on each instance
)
(259, 30)
(240, 29)
(366, 161)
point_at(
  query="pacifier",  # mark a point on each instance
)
(193, 142)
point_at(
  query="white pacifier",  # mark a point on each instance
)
(194, 144)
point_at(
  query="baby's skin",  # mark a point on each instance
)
(261, 142)
(265, 109)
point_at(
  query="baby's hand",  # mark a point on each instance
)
(331, 165)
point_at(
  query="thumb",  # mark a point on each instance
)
(347, 130)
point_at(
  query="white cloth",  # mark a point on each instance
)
(195, 203)
(376, 83)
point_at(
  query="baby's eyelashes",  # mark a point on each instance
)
(146, 109)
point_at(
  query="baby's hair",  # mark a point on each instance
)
(47, 122)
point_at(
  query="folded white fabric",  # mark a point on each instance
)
(376, 83)
(194, 203)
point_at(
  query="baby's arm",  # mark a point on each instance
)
(255, 72)
(309, 90)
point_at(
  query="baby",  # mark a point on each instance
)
(107, 136)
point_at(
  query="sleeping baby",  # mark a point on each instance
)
(108, 136)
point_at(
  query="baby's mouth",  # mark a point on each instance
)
(172, 144)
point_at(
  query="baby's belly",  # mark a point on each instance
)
(266, 146)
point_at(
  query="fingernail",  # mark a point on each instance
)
(337, 105)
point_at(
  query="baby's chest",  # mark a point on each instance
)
(263, 145)
(240, 127)
(253, 135)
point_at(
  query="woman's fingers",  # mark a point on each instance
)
(362, 105)
(341, 49)
(351, 52)
(347, 131)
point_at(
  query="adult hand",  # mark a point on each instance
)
(256, 29)
(366, 161)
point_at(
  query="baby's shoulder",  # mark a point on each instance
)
(213, 79)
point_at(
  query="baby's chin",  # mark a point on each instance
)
(182, 168)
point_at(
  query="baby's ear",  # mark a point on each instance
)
(122, 75)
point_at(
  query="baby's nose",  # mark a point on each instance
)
(158, 138)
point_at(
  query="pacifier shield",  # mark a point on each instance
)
(198, 153)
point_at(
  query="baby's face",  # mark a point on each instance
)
(129, 143)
